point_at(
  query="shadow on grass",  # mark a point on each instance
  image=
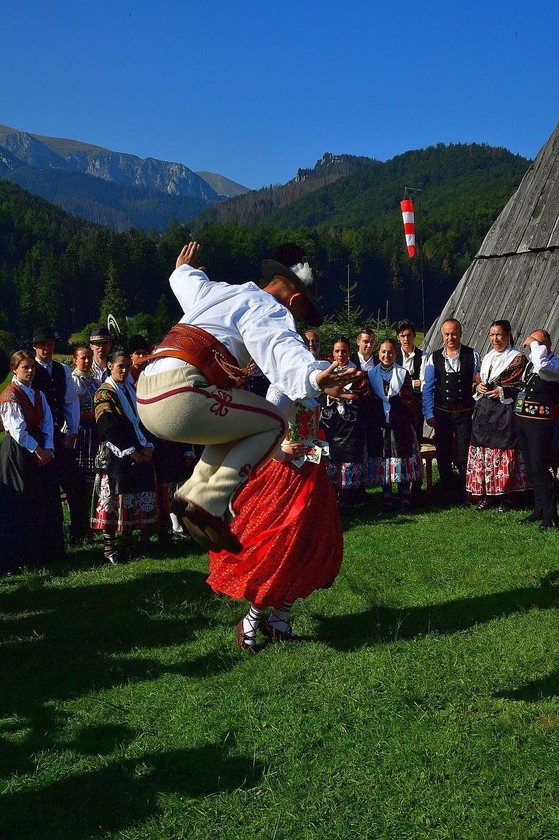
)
(122, 794)
(385, 625)
(57, 644)
(535, 690)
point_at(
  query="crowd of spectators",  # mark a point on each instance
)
(493, 423)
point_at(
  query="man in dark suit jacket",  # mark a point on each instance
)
(55, 380)
(411, 358)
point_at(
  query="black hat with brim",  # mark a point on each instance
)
(44, 334)
(272, 268)
(99, 335)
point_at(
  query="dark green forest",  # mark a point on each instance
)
(59, 269)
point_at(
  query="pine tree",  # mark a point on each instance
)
(114, 300)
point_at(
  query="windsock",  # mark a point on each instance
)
(409, 224)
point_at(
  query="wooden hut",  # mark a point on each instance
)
(515, 274)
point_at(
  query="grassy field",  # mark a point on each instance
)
(426, 706)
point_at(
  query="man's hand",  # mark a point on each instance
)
(45, 456)
(190, 255)
(431, 422)
(333, 383)
(537, 335)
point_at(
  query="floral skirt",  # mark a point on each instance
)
(395, 470)
(291, 532)
(493, 472)
(125, 512)
(348, 476)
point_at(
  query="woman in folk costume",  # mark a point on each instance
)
(495, 466)
(31, 521)
(344, 423)
(86, 385)
(290, 529)
(394, 455)
(124, 496)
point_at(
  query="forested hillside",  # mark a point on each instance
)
(56, 268)
(465, 176)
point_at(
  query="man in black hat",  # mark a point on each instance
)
(182, 395)
(100, 342)
(54, 379)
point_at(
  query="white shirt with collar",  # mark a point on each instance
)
(366, 364)
(14, 421)
(545, 364)
(250, 323)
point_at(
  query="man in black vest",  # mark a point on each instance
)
(365, 358)
(411, 357)
(55, 380)
(536, 412)
(448, 404)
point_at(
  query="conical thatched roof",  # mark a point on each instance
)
(515, 273)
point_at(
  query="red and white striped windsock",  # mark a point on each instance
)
(409, 224)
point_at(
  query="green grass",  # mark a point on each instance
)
(426, 706)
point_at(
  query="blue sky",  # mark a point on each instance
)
(255, 90)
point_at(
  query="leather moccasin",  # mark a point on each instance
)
(210, 531)
(275, 635)
(242, 639)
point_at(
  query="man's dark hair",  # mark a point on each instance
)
(406, 325)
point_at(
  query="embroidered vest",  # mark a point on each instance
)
(453, 391)
(32, 414)
(539, 399)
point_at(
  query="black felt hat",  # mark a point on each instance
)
(99, 335)
(299, 274)
(44, 334)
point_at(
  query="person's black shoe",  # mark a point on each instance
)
(529, 520)
(545, 524)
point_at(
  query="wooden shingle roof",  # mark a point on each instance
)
(515, 273)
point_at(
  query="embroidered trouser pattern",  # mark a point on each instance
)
(240, 431)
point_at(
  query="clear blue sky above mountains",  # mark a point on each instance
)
(254, 90)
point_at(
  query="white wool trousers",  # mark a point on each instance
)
(240, 431)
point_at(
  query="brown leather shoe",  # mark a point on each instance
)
(242, 638)
(210, 531)
(276, 635)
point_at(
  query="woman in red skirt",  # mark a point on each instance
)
(290, 529)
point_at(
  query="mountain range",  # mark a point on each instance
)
(124, 191)
(113, 188)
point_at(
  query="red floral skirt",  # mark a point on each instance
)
(493, 472)
(291, 532)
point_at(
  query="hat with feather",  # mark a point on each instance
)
(289, 263)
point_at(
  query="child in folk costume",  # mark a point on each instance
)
(31, 521)
(290, 529)
(394, 457)
(124, 496)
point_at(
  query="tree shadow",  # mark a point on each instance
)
(57, 644)
(534, 691)
(123, 794)
(385, 625)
